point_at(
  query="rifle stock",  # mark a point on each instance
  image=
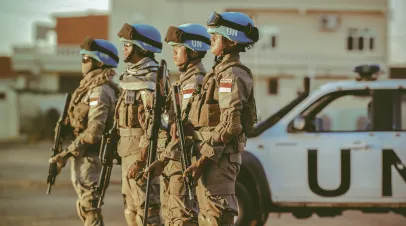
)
(57, 146)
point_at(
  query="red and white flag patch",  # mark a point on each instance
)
(94, 99)
(226, 85)
(188, 90)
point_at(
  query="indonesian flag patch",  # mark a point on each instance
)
(226, 85)
(94, 99)
(188, 90)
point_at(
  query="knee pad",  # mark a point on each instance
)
(226, 219)
(207, 221)
(80, 211)
(154, 217)
(184, 223)
(94, 217)
(131, 217)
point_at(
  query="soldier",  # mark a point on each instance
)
(190, 43)
(89, 114)
(222, 114)
(133, 117)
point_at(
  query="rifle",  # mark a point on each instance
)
(57, 146)
(108, 157)
(156, 123)
(186, 157)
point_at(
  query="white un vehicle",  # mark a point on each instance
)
(341, 147)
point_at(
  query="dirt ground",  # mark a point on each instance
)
(23, 199)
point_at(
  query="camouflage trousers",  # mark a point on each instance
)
(85, 173)
(134, 194)
(218, 204)
(177, 209)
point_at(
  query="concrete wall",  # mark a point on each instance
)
(9, 113)
(301, 49)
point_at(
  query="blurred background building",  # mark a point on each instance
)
(323, 39)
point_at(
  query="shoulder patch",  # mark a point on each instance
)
(225, 85)
(94, 100)
(96, 94)
(187, 90)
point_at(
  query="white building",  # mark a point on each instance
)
(323, 39)
(51, 66)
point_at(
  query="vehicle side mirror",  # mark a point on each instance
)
(299, 123)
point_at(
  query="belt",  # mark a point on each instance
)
(129, 132)
(197, 135)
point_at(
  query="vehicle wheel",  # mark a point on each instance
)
(245, 205)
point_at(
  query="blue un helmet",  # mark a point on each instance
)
(144, 36)
(100, 50)
(192, 36)
(234, 26)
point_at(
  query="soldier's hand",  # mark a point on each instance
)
(144, 154)
(60, 160)
(187, 129)
(173, 131)
(135, 169)
(197, 168)
(155, 169)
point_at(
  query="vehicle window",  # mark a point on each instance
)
(344, 113)
(356, 111)
(403, 111)
(400, 111)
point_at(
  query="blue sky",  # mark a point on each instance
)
(17, 17)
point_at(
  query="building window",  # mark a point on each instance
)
(3, 96)
(360, 39)
(273, 86)
(397, 73)
(270, 34)
(273, 41)
(361, 43)
(371, 43)
(350, 42)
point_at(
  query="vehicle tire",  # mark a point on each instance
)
(245, 205)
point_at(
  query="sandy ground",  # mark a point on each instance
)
(23, 199)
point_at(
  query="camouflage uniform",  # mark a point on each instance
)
(133, 119)
(90, 111)
(216, 115)
(176, 208)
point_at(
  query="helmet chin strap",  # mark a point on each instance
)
(183, 67)
(128, 58)
(93, 66)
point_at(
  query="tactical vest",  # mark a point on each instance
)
(129, 111)
(79, 111)
(205, 108)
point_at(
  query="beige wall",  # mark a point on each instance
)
(302, 50)
(9, 114)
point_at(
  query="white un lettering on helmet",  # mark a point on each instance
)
(104, 55)
(196, 43)
(231, 32)
(146, 44)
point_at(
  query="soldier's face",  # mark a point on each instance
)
(128, 48)
(217, 45)
(179, 55)
(86, 64)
